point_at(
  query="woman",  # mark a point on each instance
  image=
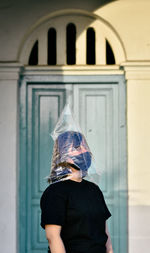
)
(74, 211)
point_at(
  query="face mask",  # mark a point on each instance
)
(70, 148)
(73, 149)
(82, 161)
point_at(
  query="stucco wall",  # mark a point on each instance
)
(8, 165)
(131, 20)
(139, 141)
(139, 164)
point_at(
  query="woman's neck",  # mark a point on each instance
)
(76, 175)
(76, 180)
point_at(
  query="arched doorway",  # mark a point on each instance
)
(72, 56)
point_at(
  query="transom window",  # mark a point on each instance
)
(72, 39)
(71, 47)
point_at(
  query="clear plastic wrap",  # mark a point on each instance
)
(71, 154)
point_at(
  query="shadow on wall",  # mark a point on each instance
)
(57, 4)
(81, 4)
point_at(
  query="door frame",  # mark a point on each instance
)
(38, 78)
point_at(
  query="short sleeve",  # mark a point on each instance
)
(53, 206)
(106, 210)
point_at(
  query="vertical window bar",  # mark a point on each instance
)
(51, 46)
(71, 44)
(33, 58)
(90, 46)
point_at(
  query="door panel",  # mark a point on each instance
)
(44, 117)
(98, 109)
(44, 104)
(94, 111)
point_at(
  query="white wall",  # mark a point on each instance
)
(138, 95)
(131, 20)
(8, 162)
(17, 18)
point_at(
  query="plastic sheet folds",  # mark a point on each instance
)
(71, 154)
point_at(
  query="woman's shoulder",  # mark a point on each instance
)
(95, 188)
(92, 184)
(54, 188)
(54, 192)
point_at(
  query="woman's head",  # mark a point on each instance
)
(70, 149)
(73, 148)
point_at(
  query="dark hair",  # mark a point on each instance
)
(64, 165)
(65, 141)
(69, 138)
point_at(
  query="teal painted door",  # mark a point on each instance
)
(100, 110)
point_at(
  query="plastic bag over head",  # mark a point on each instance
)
(71, 154)
(65, 123)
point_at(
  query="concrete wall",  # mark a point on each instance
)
(131, 20)
(139, 164)
(8, 162)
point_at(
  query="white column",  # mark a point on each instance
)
(8, 156)
(61, 45)
(100, 44)
(137, 75)
(43, 48)
(80, 46)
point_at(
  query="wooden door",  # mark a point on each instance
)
(100, 109)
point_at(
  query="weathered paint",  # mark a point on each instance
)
(99, 105)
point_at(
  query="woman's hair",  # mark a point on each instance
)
(61, 146)
(55, 157)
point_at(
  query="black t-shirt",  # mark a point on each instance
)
(80, 208)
